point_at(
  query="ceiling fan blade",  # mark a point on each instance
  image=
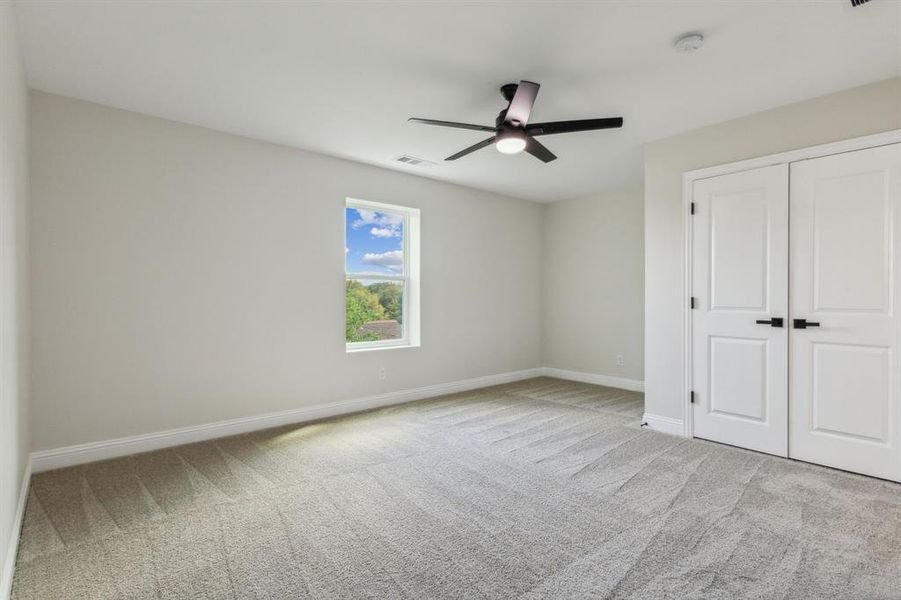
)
(571, 126)
(537, 149)
(521, 105)
(452, 124)
(471, 149)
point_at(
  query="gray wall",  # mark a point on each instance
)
(852, 113)
(593, 284)
(183, 276)
(14, 443)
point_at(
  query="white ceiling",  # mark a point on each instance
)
(341, 78)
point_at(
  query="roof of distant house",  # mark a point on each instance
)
(387, 328)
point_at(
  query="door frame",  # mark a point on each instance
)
(689, 177)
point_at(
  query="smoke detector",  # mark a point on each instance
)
(688, 42)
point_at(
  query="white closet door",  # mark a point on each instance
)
(846, 364)
(739, 278)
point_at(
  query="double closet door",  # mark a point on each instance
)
(796, 340)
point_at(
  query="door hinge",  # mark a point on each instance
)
(692, 208)
(692, 302)
(691, 397)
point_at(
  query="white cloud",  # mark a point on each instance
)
(385, 224)
(384, 232)
(374, 217)
(392, 259)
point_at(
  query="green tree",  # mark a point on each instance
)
(390, 297)
(361, 306)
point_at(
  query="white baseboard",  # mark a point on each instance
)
(664, 424)
(622, 383)
(68, 456)
(9, 563)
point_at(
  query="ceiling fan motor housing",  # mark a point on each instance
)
(508, 90)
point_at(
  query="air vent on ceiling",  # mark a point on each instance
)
(414, 162)
(858, 2)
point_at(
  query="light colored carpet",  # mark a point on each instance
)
(539, 489)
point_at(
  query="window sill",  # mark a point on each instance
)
(354, 349)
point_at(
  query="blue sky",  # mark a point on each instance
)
(374, 241)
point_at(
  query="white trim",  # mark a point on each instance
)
(664, 424)
(839, 147)
(377, 206)
(686, 384)
(400, 345)
(12, 549)
(94, 451)
(622, 383)
(689, 177)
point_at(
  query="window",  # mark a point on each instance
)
(381, 273)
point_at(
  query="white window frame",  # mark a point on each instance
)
(409, 279)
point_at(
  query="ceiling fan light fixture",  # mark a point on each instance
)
(510, 142)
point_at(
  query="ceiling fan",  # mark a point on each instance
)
(512, 131)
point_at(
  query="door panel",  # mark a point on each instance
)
(738, 257)
(845, 409)
(740, 276)
(851, 258)
(739, 394)
(843, 371)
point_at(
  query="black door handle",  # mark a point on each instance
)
(774, 322)
(804, 324)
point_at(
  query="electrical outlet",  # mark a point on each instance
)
(383, 373)
(620, 362)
